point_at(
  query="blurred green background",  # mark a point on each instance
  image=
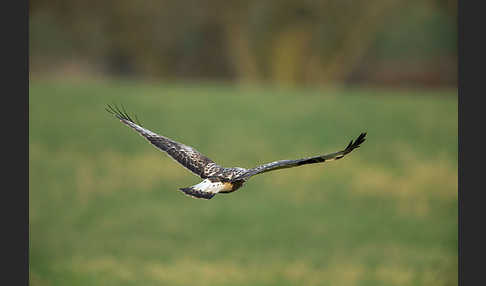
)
(245, 83)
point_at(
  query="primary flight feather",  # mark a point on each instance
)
(218, 179)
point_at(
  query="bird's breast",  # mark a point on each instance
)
(227, 187)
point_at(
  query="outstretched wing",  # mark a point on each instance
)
(185, 155)
(311, 160)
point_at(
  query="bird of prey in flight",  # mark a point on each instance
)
(218, 179)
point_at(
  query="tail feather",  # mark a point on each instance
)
(198, 194)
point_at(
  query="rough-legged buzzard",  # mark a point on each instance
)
(218, 179)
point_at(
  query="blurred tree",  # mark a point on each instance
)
(281, 41)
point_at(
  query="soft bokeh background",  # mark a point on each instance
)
(244, 82)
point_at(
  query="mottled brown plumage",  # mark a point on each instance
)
(218, 179)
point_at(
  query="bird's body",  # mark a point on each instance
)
(212, 186)
(218, 179)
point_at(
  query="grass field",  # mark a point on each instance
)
(105, 210)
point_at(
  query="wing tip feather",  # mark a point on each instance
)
(121, 114)
(357, 143)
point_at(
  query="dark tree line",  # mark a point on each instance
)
(281, 41)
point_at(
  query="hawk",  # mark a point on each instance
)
(218, 179)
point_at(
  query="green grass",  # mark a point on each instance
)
(105, 210)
